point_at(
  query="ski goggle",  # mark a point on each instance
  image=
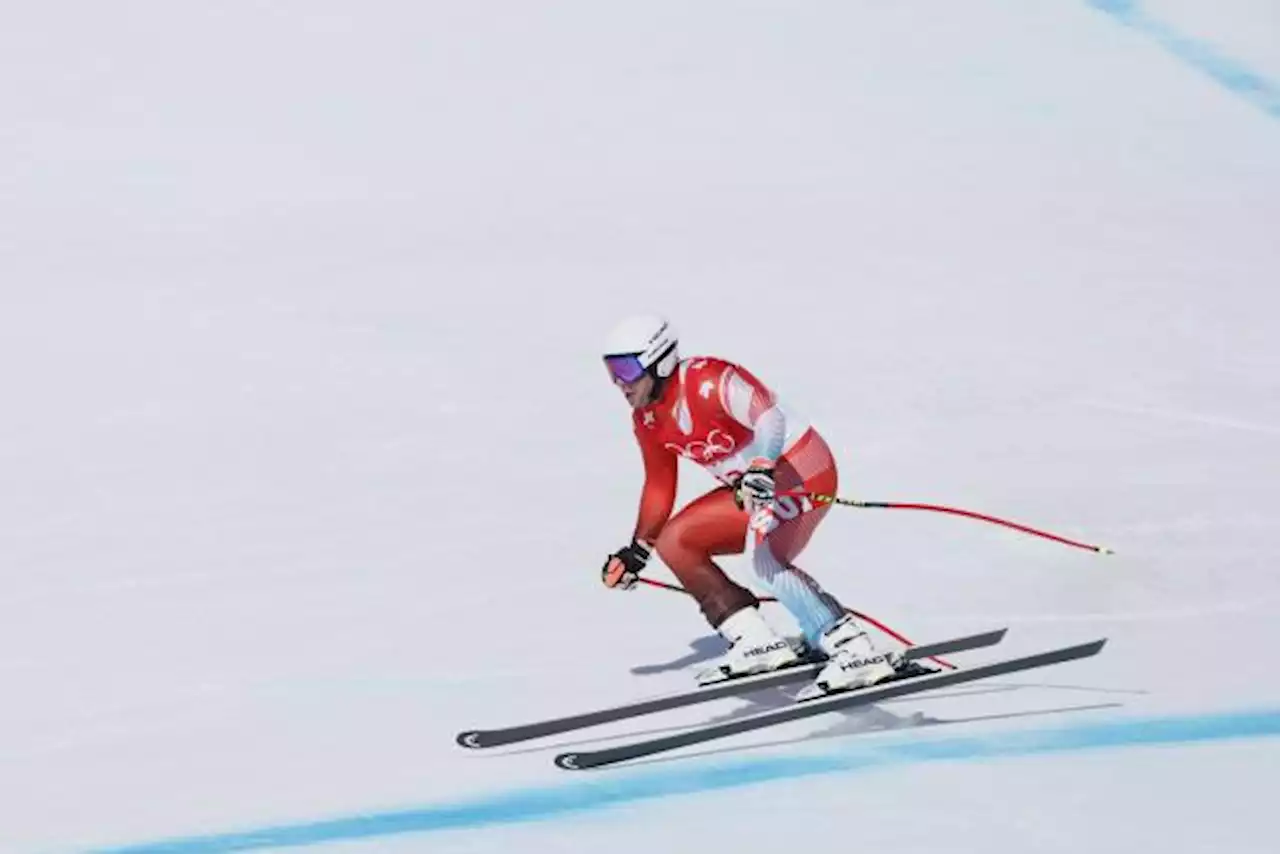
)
(625, 368)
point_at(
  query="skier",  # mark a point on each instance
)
(720, 416)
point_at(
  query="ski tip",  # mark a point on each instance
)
(1087, 649)
(568, 761)
(470, 738)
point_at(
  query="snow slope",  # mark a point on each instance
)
(307, 460)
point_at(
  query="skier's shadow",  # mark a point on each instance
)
(849, 721)
(704, 649)
(873, 719)
(711, 647)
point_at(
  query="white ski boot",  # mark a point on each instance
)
(854, 661)
(754, 647)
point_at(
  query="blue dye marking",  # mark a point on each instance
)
(1226, 72)
(604, 789)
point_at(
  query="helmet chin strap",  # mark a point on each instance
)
(659, 385)
(659, 382)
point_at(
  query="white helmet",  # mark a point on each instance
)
(642, 344)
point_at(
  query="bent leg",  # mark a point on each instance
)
(710, 525)
(783, 532)
(814, 609)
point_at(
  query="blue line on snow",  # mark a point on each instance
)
(610, 788)
(1226, 72)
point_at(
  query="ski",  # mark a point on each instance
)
(481, 738)
(611, 755)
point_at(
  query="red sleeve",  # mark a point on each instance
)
(659, 495)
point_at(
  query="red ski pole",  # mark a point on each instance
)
(955, 511)
(858, 614)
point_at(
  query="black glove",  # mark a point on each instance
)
(623, 567)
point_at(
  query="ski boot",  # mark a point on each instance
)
(754, 647)
(855, 661)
